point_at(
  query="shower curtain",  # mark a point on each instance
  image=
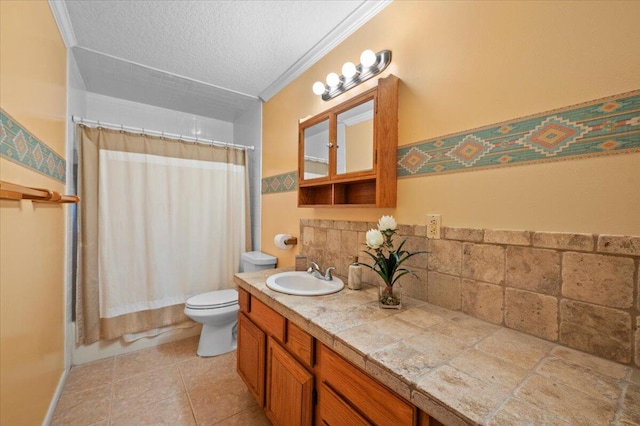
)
(160, 220)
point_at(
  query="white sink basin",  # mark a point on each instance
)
(303, 284)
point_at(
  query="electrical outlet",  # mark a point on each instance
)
(433, 226)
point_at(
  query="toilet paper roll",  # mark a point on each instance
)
(279, 240)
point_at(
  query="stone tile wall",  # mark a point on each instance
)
(579, 290)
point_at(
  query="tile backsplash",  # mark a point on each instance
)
(579, 290)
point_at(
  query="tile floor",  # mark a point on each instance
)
(165, 385)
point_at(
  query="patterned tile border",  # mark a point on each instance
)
(280, 183)
(608, 126)
(21, 147)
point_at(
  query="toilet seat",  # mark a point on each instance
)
(213, 300)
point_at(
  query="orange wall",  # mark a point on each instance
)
(463, 65)
(33, 92)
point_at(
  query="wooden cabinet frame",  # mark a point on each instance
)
(252, 344)
(369, 188)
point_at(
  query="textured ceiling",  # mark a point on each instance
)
(212, 58)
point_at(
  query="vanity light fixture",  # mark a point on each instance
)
(371, 64)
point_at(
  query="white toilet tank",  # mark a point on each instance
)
(256, 261)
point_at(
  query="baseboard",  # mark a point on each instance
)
(54, 400)
(83, 354)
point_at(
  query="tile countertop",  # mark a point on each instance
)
(460, 369)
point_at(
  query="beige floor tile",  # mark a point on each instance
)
(214, 402)
(254, 416)
(186, 349)
(83, 408)
(144, 361)
(200, 371)
(90, 375)
(146, 388)
(174, 411)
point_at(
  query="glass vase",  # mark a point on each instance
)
(390, 296)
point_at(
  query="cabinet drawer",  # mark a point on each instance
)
(267, 319)
(334, 411)
(376, 402)
(244, 300)
(300, 344)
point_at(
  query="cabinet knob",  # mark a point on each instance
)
(330, 145)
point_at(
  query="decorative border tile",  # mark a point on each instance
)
(18, 145)
(608, 126)
(280, 183)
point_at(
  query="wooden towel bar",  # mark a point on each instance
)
(12, 191)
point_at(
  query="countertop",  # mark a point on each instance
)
(459, 369)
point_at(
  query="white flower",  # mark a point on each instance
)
(387, 223)
(374, 238)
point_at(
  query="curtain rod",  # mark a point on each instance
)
(112, 126)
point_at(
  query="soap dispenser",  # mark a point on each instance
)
(354, 281)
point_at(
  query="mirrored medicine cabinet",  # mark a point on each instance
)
(347, 154)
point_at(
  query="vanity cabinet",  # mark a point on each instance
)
(347, 156)
(275, 360)
(299, 381)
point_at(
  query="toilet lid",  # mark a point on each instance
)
(213, 299)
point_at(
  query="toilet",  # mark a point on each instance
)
(217, 311)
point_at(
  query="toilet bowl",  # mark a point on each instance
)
(217, 311)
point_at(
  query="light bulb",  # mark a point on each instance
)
(368, 58)
(349, 70)
(333, 80)
(318, 88)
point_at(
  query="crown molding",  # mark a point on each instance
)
(61, 15)
(355, 20)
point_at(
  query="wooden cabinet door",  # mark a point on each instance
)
(251, 357)
(289, 388)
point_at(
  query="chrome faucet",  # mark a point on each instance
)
(314, 270)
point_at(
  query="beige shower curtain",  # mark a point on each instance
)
(120, 170)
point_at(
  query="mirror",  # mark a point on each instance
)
(316, 150)
(355, 139)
